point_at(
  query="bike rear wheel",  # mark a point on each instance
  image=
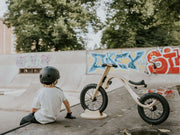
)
(99, 103)
(158, 113)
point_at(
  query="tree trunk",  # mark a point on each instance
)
(37, 46)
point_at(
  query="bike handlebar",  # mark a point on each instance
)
(111, 65)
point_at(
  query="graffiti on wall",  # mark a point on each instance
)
(124, 60)
(166, 59)
(32, 61)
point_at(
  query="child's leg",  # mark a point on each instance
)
(28, 118)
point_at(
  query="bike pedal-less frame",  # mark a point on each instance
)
(127, 83)
(152, 107)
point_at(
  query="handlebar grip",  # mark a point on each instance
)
(104, 65)
(113, 65)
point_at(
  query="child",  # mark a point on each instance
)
(47, 102)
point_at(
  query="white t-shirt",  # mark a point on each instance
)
(48, 101)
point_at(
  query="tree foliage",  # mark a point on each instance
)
(142, 23)
(46, 25)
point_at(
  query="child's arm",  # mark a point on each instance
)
(66, 103)
(68, 108)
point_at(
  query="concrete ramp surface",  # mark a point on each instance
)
(22, 102)
(122, 114)
(24, 80)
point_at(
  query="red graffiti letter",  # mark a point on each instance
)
(162, 68)
(172, 68)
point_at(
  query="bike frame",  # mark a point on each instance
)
(126, 84)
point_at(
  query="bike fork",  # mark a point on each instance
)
(103, 78)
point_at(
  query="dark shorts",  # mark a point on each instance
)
(29, 118)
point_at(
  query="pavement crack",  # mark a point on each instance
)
(104, 123)
(67, 126)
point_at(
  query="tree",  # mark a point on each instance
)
(46, 25)
(142, 23)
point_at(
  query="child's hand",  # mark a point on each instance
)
(69, 116)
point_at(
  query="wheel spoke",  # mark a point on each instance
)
(96, 104)
(159, 110)
(89, 95)
(156, 111)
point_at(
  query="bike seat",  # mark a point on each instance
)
(138, 83)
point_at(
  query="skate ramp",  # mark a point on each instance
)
(22, 102)
(24, 80)
(77, 69)
(8, 69)
(72, 68)
(122, 116)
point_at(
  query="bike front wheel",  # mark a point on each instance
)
(158, 113)
(99, 103)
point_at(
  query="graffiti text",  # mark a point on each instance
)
(167, 61)
(115, 58)
(32, 61)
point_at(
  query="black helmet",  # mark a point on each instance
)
(48, 75)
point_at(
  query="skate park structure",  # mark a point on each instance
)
(20, 72)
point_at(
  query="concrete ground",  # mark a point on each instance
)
(122, 118)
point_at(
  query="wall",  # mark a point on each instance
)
(71, 64)
(78, 68)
